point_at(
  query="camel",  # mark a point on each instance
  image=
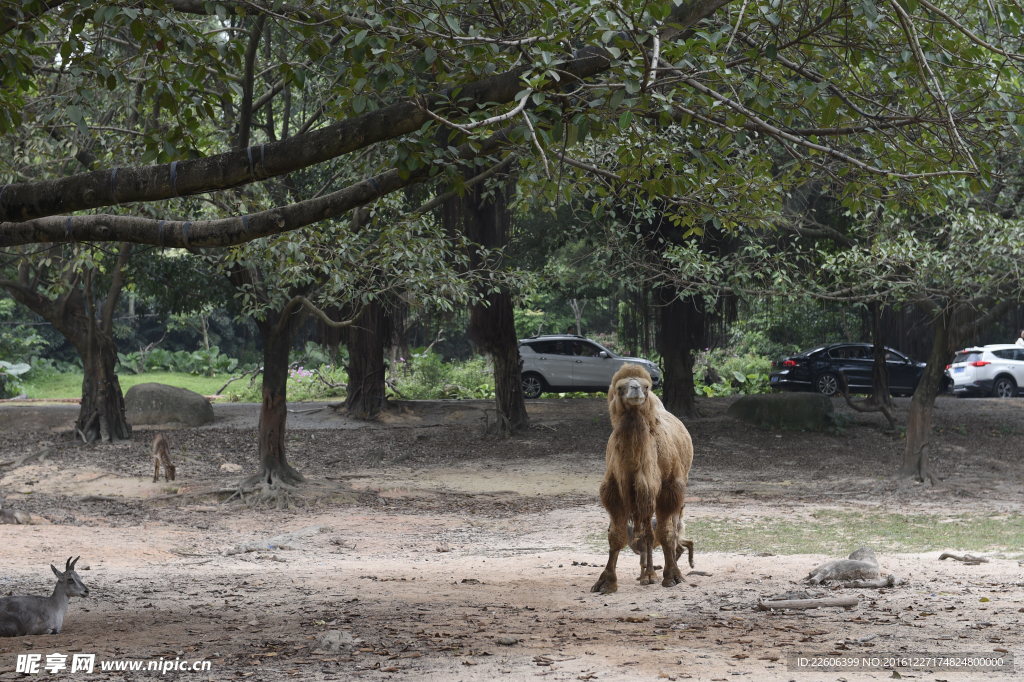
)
(647, 463)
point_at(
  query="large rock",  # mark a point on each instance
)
(800, 411)
(162, 404)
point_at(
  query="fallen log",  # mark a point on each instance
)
(800, 604)
(969, 559)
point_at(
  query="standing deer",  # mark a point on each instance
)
(42, 615)
(162, 456)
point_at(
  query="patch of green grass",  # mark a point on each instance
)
(837, 532)
(69, 385)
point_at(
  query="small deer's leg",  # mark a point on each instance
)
(156, 469)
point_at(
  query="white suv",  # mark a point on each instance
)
(996, 370)
(566, 362)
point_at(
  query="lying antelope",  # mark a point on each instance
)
(42, 615)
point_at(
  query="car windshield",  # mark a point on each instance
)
(967, 356)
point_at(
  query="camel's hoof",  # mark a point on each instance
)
(605, 584)
(672, 579)
(648, 578)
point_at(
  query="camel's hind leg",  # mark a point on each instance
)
(646, 552)
(682, 542)
(647, 573)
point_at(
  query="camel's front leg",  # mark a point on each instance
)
(608, 582)
(618, 535)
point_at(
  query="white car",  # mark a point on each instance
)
(996, 370)
(566, 362)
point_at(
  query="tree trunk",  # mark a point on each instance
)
(484, 217)
(680, 332)
(492, 328)
(879, 370)
(577, 311)
(101, 416)
(89, 329)
(274, 466)
(366, 387)
(919, 419)
(634, 322)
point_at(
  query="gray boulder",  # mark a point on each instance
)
(162, 404)
(799, 411)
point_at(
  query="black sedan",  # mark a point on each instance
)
(818, 369)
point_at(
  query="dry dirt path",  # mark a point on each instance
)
(428, 551)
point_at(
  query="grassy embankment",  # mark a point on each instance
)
(69, 385)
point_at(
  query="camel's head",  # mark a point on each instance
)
(633, 391)
(631, 385)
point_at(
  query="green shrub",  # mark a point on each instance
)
(202, 361)
(314, 355)
(321, 383)
(10, 382)
(428, 377)
(720, 372)
(18, 342)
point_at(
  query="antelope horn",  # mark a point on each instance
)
(71, 564)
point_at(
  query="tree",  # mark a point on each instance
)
(849, 87)
(366, 392)
(77, 291)
(362, 270)
(962, 268)
(484, 217)
(707, 110)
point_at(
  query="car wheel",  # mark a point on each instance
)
(827, 384)
(1004, 387)
(533, 385)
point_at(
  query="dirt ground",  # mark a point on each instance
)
(425, 549)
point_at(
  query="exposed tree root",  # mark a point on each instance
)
(870, 404)
(279, 488)
(259, 491)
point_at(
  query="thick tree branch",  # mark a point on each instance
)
(26, 201)
(321, 315)
(246, 106)
(226, 231)
(114, 291)
(763, 126)
(12, 17)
